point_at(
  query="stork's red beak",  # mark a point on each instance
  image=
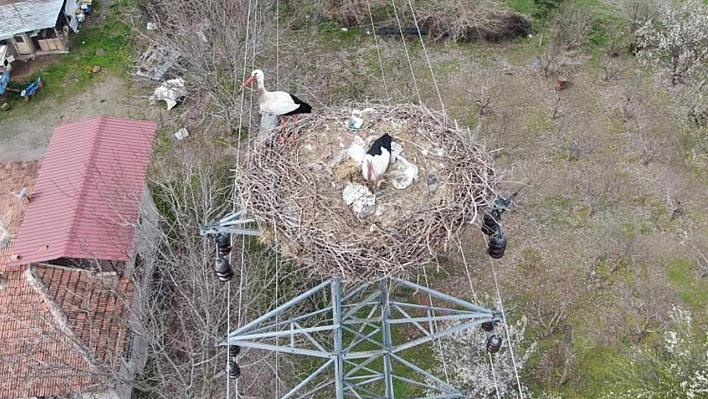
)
(247, 82)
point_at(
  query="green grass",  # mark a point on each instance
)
(71, 73)
(601, 368)
(692, 289)
(523, 6)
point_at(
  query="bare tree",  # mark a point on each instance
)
(216, 50)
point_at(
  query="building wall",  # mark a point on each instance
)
(23, 44)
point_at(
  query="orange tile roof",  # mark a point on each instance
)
(14, 176)
(54, 321)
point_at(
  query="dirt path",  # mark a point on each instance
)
(26, 135)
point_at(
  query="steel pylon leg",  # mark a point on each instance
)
(354, 332)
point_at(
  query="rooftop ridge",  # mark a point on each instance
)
(84, 181)
(63, 323)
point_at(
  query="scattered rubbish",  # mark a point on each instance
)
(156, 61)
(32, 89)
(151, 26)
(4, 80)
(362, 201)
(169, 92)
(181, 134)
(561, 83)
(432, 183)
(404, 174)
(536, 64)
(396, 150)
(5, 107)
(203, 31)
(344, 29)
(356, 151)
(355, 123)
(96, 69)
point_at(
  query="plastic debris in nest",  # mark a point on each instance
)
(169, 92)
(401, 173)
(156, 61)
(360, 198)
(331, 221)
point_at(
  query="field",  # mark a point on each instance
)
(608, 253)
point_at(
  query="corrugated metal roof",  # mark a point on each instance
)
(20, 16)
(85, 201)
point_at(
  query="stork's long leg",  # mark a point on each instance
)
(283, 122)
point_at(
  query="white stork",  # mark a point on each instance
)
(278, 103)
(377, 159)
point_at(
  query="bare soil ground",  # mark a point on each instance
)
(25, 135)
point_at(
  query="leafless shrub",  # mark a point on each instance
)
(696, 103)
(549, 62)
(479, 19)
(557, 113)
(183, 306)
(612, 68)
(484, 101)
(570, 26)
(213, 48)
(350, 12)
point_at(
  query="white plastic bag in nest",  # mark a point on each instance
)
(404, 175)
(362, 201)
(357, 151)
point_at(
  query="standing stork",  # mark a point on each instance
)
(377, 159)
(278, 103)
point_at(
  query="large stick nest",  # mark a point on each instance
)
(295, 192)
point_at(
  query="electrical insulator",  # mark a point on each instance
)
(494, 343)
(234, 350)
(234, 370)
(497, 246)
(223, 269)
(489, 226)
(223, 243)
(487, 326)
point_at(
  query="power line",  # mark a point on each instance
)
(506, 327)
(378, 52)
(242, 275)
(405, 48)
(474, 296)
(427, 58)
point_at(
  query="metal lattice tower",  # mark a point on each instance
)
(355, 336)
(357, 330)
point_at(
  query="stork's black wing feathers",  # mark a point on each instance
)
(304, 107)
(381, 142)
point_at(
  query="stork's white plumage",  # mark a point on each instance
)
(377, 159)
(278, 103)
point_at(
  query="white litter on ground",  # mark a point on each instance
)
(170, 92)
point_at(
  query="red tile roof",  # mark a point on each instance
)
(14, 176)
(52, 319)
(57, 326)
(85, 201)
